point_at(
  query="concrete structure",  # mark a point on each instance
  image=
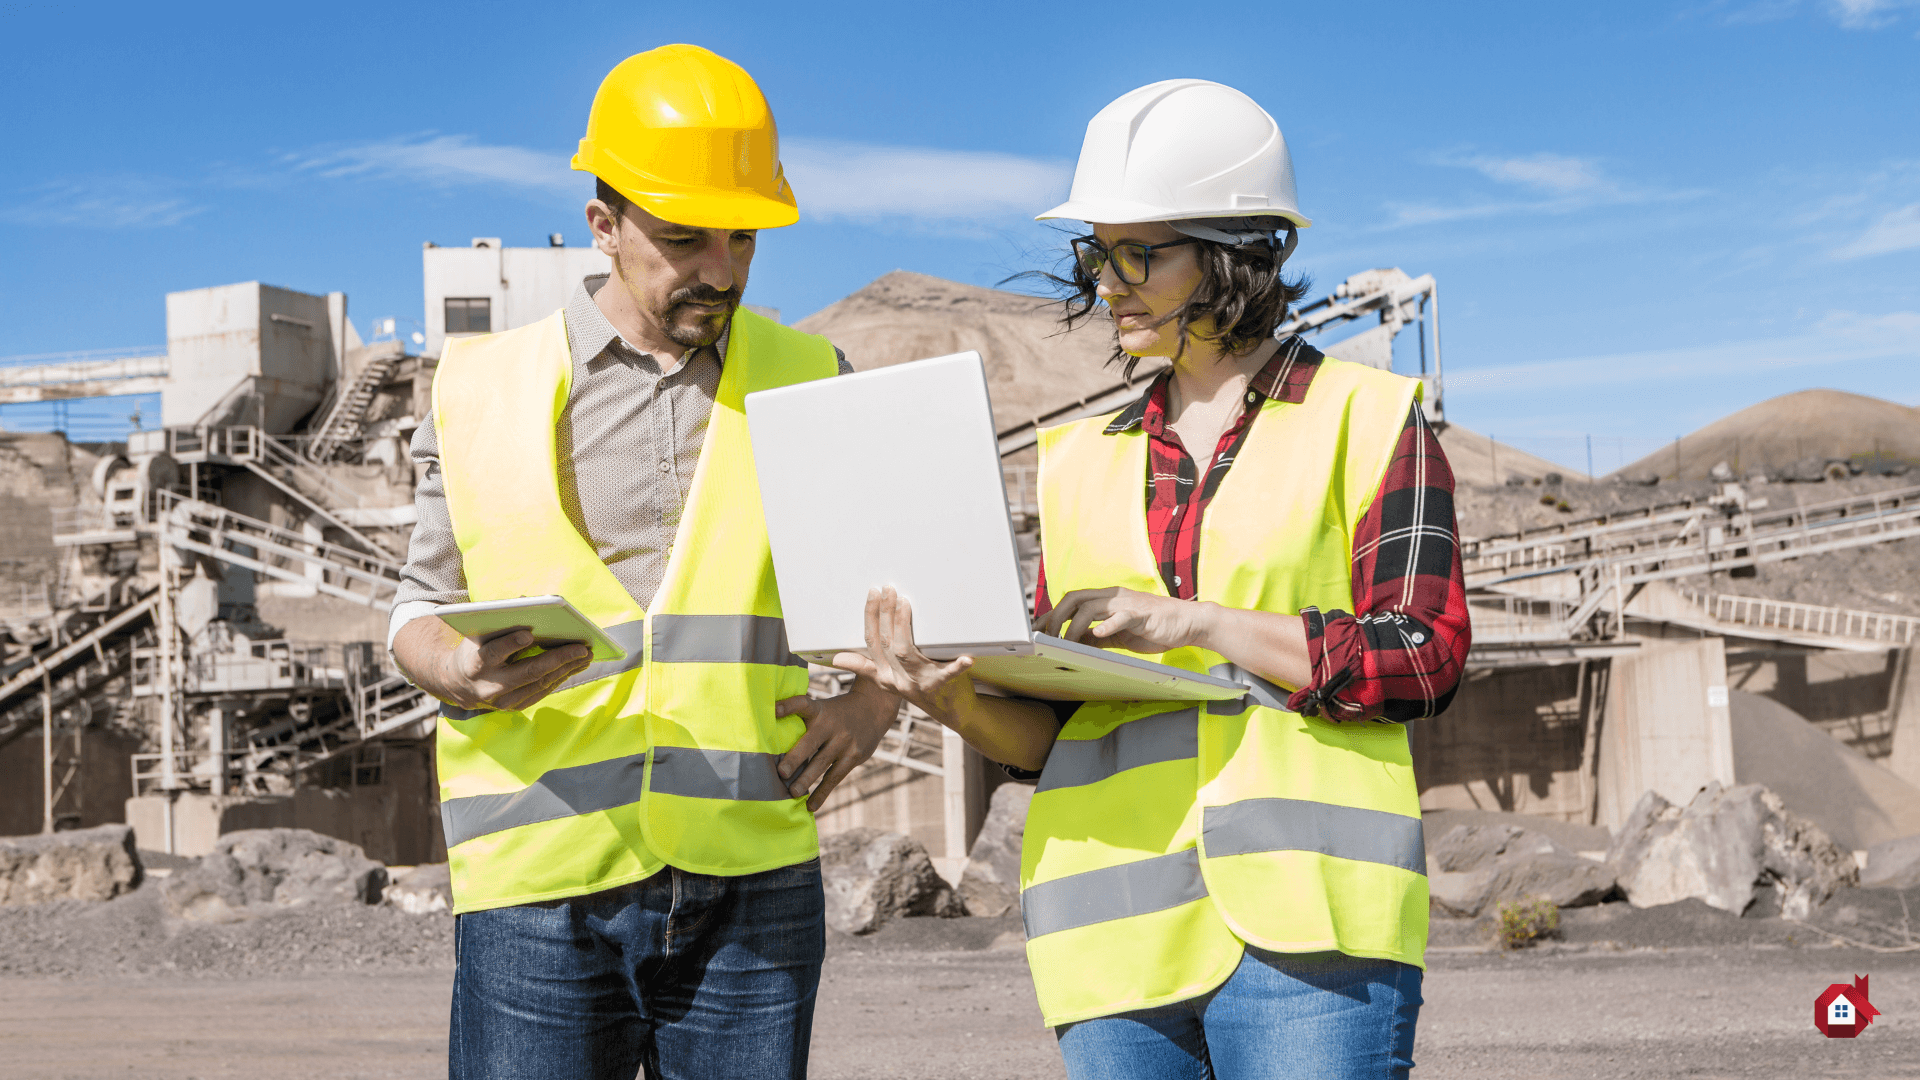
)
(488, 287)
(251, 354)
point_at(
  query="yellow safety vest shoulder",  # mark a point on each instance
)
(668, 755)
(1163, 838)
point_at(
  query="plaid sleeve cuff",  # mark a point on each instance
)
(1334, 647)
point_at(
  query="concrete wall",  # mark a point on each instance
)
(248, 354)
(396, 821)
(98, 793)
(524, 285)
(1849, 695)
(1514, 740)
(1664, 727)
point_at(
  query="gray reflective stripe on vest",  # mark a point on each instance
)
(1343, 832)
(717, 774)
(631, 636)
(722, 639)
(559, 793)
(1146, 741)
(682, 639)
(1112, 892)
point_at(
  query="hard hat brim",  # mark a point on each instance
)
(699, 208)
(1120, 212)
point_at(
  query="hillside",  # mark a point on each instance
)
(1032, 367)
(1779, 432)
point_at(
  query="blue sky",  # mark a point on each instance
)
(1641, 216)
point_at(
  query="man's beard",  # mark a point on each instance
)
(693, 329)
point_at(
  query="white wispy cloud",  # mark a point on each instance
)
(1898, 230)
(1546, 183)
(860, 181)
(440, 161)
(831, 179)
(1839, 337)
(104, 203)
(1848, 14)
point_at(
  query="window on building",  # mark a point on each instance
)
(469, 315)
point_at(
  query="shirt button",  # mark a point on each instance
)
(1417, 637)
(1252, 397)
(666, 466)
(1176, 579)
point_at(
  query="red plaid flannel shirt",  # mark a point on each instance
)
(1400, 654)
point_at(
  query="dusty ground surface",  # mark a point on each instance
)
(117, 990)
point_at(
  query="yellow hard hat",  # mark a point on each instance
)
(687, 135)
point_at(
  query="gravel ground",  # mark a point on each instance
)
(117, 989)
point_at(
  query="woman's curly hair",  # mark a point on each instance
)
(1242, 288)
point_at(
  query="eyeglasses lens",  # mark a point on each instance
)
(1130, 262)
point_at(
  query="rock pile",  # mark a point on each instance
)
(1728, 847)
(990, 885)
(273, 867)
(872, 877)
(424, 890)
(86, 864)
(1474, 868)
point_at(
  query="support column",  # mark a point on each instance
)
(46, 751)
(953, 765)
(217, 746)
(164, 630)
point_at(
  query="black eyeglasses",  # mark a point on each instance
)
(1131, 259)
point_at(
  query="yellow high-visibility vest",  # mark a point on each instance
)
(667, 756)
(1162, 837)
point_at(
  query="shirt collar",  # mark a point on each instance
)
(1285, 378)
(589, 333)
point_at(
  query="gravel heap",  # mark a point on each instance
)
(133, 935)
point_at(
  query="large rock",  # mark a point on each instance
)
(423, 890)
(872, 877)
(1473, 868)
(1893, 864)
(1727, 847)
(990, 885)
(273, 868)
(87, 864)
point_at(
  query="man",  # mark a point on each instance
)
(633, 851)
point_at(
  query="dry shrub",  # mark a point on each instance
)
(1522, 922)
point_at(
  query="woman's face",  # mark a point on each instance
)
(1146, 317)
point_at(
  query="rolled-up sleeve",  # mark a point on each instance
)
(1400, 654)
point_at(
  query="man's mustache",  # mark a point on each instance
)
(703, 294)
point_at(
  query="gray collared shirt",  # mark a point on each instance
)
(627, 443)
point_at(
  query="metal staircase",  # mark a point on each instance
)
(72, 671)
(283, 554)
(344, 419)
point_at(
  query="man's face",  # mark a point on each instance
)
(686, 281)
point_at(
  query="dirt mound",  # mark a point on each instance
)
(1781, 432)
(1858, 803)
(1032, 367)
(1477, 459)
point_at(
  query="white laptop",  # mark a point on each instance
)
(893, 477)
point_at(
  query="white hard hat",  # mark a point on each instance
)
(1179, 150)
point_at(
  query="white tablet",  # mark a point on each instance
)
(551, 619)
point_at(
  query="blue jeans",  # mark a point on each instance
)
(682, 975)
(1280, 1016)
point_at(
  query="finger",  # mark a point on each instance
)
(495, 653)
(538, 669)
(1116, 623)
(803, 707)
(854, 662)
(903, 628)
(1083, 620)
(832, 780)
(823, 760)
(803, 751)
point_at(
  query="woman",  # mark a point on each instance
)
(1237, 889)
